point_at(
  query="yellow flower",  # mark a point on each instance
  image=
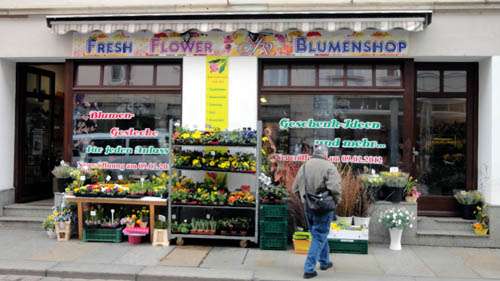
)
(265, 139)
(196, 135)
(196, 162)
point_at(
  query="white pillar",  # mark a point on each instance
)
(489, 130)
(7, 127)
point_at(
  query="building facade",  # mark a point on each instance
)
(414, 85)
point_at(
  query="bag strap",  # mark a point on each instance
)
(305, 179)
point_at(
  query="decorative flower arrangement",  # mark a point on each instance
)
(63, 171)
(216, 161)
(468, 197)
(270, 193)
(137, 218)
(481, 227)
(395, 179)
(241, 198)
(412, 193)
(245, 136)
(371, 180)
(396, 218)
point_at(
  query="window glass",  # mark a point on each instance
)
(388, 75)
(455, 81)
(88, 75)
(141, 75)
(45, 84)
(168, 75)
(122, 130)
(359, 75)
(441, 145)
(31, 82)
(303, 75)
(428, 81)
(115, 75)
(275, 75)
(331, 75)
(372, 131)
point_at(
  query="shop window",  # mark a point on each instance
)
(115, 75)
(88, 75)
(331, 75)
(359, 76)
(388, 76)
(275, 75)
(378, 141)
(121, 131)
(168, 75)
(455, 81)
(141, 75)
(45, 85)
(303, 75)
(428, 81)
(31, 82)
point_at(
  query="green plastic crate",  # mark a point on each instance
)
(273, 244)
(273, 227)
(273, 212)
(102, 235)
(347, 246)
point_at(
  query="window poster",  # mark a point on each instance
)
(217, 93)
(123, 132)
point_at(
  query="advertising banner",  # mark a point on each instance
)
(216, 110)
(344, 43)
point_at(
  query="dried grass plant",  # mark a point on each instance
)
(351, 190)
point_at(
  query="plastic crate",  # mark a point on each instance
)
(273, 227)
(347, 246)
(273, 244)
(102, 235)
(273, 212)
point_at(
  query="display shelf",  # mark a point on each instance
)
(213, 207)
(213, 170)
(256, 148)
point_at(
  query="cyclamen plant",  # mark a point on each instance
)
(397, 218)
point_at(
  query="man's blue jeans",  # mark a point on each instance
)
(319, 226)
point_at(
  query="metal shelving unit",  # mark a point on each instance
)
(243, 239)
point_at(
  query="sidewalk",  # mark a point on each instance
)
(31, 253)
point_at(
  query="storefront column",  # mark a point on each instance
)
(7, 127)
(242, 102)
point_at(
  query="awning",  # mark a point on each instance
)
(253, 22)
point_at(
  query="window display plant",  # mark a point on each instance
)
(468, 201)
(62, 176)
(270, 193)
(396, 182)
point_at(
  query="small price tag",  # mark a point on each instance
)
(112, 211)
(120, 177)
(93, 213)
(393, 169)
(108, 178)
(162, 218)
(373, 172)
(208, 216)
(174, 217)
(142, 180)
(82, 178)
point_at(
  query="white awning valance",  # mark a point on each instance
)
(62, 25)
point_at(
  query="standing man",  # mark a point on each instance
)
(318, 174)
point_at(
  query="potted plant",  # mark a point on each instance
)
(373, 184)
(184, 227)
(481, 227)
(468, 201)
(49, 226)
(62, 177)
(396, 220)
(62, 221)
(212, 227)
(412, 193)
(349, 196)
(270, 193)
(160, 233)
(396, 183)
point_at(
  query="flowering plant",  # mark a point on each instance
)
(395, 179)
(468, 197)
(62, 214)
(49, 223)
(371, 180)
(245, 136)
(269, 192)
(396, 218)
(481, 227)
(241, 198)
(218, 161)
(63, 171)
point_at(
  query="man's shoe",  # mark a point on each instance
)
(326, 267)
(309, 275)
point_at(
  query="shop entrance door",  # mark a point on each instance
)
(446, 134)
(35, 140)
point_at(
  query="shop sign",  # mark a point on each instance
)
(242, 43)
(216, 105)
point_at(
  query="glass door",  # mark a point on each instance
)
(36, 150)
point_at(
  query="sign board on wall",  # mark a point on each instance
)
(242, 43)
(216, 106)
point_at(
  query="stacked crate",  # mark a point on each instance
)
(273, 227)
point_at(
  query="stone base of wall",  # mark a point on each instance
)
(7, 197)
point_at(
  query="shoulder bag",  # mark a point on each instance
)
(320, 202)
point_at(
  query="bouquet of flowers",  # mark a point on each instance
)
(468, 197)
(396, 218)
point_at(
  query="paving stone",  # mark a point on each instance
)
(225, 257)
(24, 267)
(65, 251)
(94, 271)
(294, 274)
(162, 273)
(105, 253)
(445, 262)
(350, 263)
(400, 263)
(485, 263)
(186, 256)
(143, 254)
(275, 259)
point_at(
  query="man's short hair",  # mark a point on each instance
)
(320, 150)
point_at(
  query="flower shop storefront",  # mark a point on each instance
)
(213, 116)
